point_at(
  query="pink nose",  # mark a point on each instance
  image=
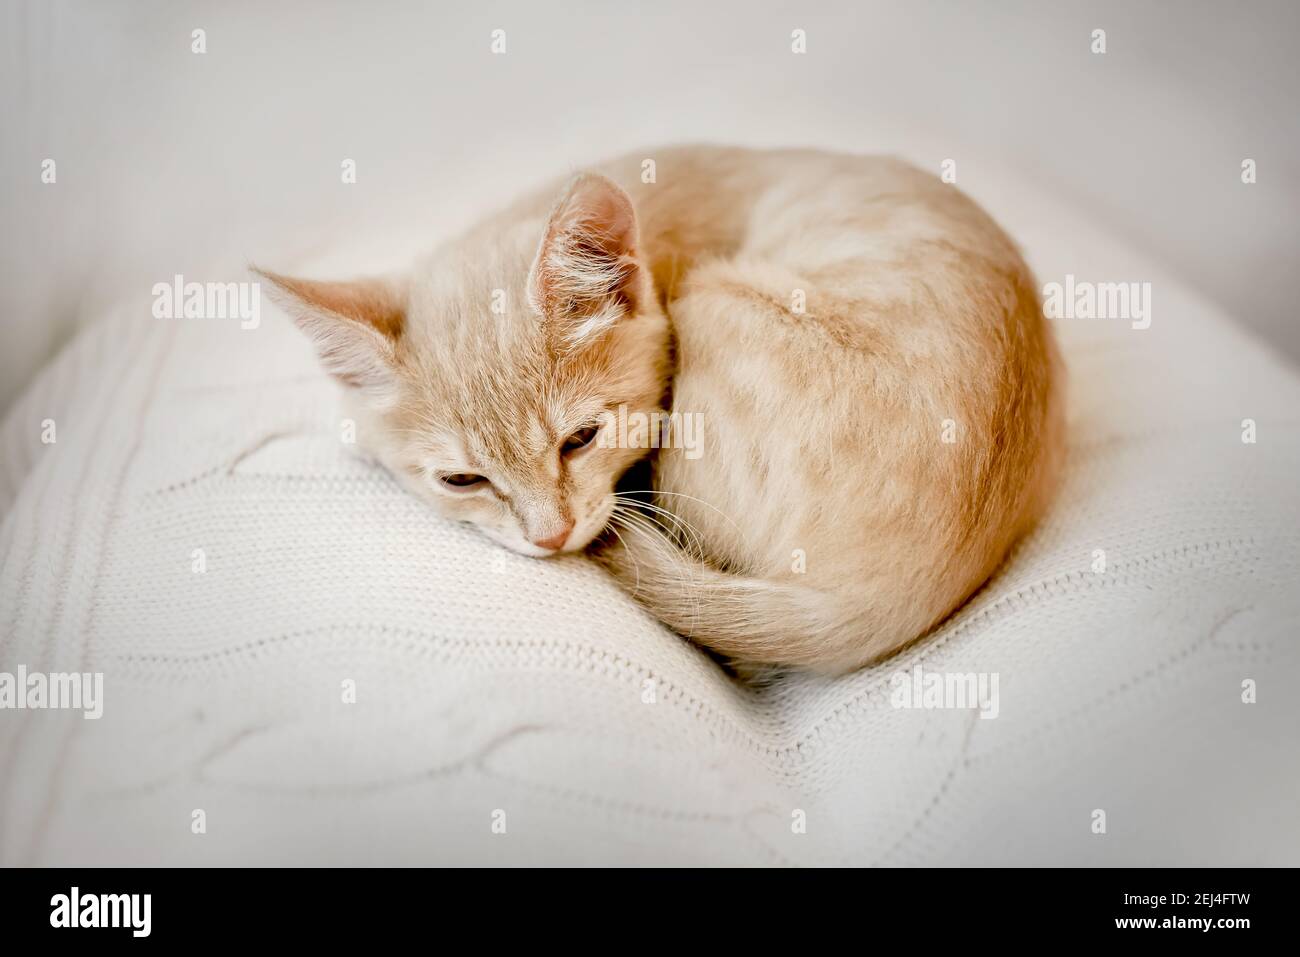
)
(557, 540)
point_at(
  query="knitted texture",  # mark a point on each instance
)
(500, 693)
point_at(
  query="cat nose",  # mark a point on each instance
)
(557, 540)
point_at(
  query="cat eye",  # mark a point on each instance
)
(461, 480)
(580, 439)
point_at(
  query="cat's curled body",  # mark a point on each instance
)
(879, 394)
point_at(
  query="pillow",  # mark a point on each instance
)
(303, 665)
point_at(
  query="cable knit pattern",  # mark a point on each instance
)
(487, 682)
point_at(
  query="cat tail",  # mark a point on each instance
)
(749, 620)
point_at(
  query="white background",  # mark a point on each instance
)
(167, 159)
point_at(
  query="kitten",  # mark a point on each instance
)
(879, 393)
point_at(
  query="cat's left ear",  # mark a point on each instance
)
(586, 276)
(354, 325)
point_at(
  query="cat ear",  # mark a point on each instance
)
(354, 325)
(586, 276)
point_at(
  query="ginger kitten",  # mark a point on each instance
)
(879, 394)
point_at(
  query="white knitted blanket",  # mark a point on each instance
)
(200, 535)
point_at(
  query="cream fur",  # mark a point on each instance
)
(827, 522)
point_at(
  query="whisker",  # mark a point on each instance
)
(647, 529)
(650, 491)
(636, 588)
(695, 540)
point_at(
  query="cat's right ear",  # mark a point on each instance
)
(587, 276)
(354, 325)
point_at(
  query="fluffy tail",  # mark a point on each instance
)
(747, 619)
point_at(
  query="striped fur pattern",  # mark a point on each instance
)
(880, 396)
